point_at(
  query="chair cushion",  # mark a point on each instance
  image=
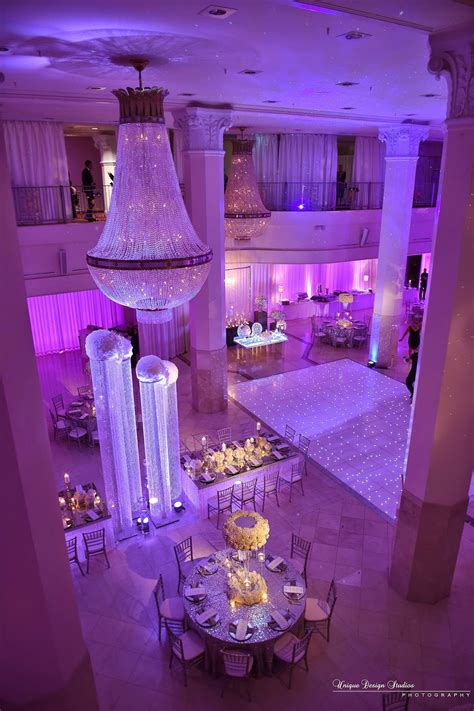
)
(172, 608)
(192, 646)
(287, 477)
(187, 567)
(316, 610)
(232, 669)
(297, 564)
(61, 425)
(283, 648)
(77, 432)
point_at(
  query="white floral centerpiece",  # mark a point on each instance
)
(219, 459)
(278, 315)
(246, 588)
(261, 302)
(248, 534)
(346, 298)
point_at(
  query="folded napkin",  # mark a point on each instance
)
(83, 417)
(293, 589)
(254, 462)
(92, 514)
(78, 403)
(187, 458)
(207, 615)
(241, 629)
(208, 567)
(277, 455)
(282, 446)
(232, 470)
(236, 444)
(74, 412)
(206, 476)
(191, 592)
(281, 621)
(272, 438)
(273, 565)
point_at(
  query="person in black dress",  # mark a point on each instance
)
(414, 331)
(423, 284)
(88, 185)
(341, 183)
(411, 377)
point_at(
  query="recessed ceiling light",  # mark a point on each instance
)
(186, 93)
(217, 12)
(94, 128)
(270, 101)
(96, 88)
(429, 96)
(347, 108)
(347, 83)
(353, 35)
(250, 72)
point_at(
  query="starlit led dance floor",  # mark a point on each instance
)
(356, 418)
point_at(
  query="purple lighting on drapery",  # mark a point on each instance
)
(56, 319)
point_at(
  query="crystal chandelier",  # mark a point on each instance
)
(245, 214)
(148, 256)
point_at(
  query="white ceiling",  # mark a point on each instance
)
(58, 49)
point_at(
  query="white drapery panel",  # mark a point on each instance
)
(37, 158)
(238, 292)
(56, 319)
(307, 169)
(369, 171)
(295, 278)
(166, 340)
(265, 158)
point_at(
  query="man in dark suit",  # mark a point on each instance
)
(423, 284)
(88, 185)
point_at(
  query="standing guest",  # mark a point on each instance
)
(423, 284)
(414, 329)
(88, 185)
(411, 377)
(341, 180)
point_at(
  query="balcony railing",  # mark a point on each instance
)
(294, 197)
(43, 205)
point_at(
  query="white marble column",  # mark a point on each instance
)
(440, 457)
(401, 156)
(202, 133)
(110, 356)
(107, 145)
(160, 431)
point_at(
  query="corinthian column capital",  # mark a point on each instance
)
(403, 140)
(452, 54)
(202, 129)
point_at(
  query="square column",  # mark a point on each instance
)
(202, 134)
(401, 158)
(440, 456)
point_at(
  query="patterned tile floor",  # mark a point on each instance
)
(357, 420)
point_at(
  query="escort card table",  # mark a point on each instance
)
(198, 493)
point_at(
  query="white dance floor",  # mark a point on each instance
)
(356, 417)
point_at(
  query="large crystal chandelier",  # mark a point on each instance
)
(148, 256)
(245, 214)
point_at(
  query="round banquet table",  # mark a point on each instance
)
(262, 641)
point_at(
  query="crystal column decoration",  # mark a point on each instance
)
(110, 359)
(245, 214)
(148, 256)
(160, 431)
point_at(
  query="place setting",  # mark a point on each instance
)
(241, 630)
(209, 567)
(195, 592)
(293, 590)
(276, 564)
(280, 620)
(207, 617)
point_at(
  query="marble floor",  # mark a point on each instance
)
(375, 633)
(356, 418)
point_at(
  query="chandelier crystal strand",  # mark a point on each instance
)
(148, 256)
(245, 215)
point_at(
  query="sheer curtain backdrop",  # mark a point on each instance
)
(37, 158)
(369, 171)
(265, 158)
(166, 340)
(307, 169)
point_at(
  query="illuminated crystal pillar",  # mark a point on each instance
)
(401, 157)
(202, 131)
(431, 519)
(111, 372)
(160, 431)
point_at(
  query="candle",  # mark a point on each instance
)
(62, 501)
(232, 604)
(261, 556)
(203, 442)
(259, 426)
(67, 478)
(224, 446)
(264, 597)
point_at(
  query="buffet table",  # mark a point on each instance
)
(330, 308)
(258, 630)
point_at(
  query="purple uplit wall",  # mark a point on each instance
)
(56, 319)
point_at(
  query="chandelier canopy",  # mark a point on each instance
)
(148, 256)
(245, 214)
